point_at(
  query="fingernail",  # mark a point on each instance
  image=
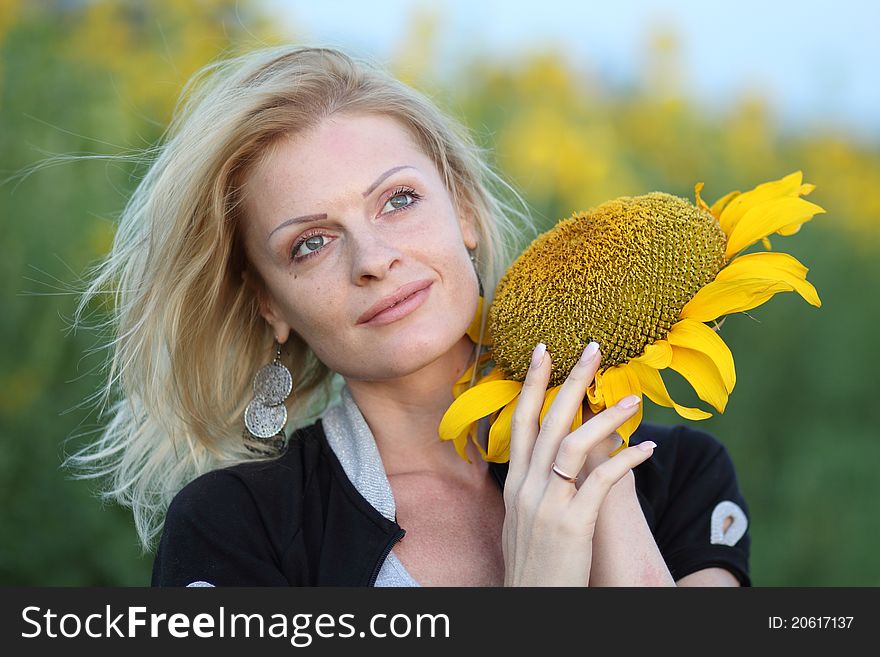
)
(589, 352)
(538, 354)
(629, 402)
(647, 446)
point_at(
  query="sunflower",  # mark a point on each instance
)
(641, 276)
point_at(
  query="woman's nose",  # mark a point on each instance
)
(374, 255)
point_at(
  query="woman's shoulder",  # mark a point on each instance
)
(272, 487)
(692, 500)
(681, 449)
(677, 436)
(233, 525)
(685, 460)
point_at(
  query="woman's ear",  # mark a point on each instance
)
(266, 306)
(469, 230)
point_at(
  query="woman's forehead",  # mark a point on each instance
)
(340, 137)
(338, 151)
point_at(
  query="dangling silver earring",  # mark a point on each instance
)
(266, 415)
(473, 255)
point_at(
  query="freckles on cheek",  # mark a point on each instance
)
(318, 310)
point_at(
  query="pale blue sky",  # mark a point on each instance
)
(815, 61)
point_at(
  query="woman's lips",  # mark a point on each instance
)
(401, 309)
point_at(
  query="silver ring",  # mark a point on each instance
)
(562, 474)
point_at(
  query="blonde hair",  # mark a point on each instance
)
(187, 333)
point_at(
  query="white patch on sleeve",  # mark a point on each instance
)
(199, 583)
(737, 528)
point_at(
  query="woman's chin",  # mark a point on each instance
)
(412, 351)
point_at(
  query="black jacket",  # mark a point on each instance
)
(299, 521)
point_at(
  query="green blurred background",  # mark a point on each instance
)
(101, 78)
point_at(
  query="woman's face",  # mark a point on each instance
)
(344, 215)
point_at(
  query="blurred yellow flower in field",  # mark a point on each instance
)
(640, 276)
(551, 154)
(152, 49)
(8, 13)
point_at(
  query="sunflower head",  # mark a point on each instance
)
(618, 274)
(640, 276)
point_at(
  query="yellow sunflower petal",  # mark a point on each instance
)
(766, 242)
(719, 205)
(772, 266)
(473, 330)
(549, 396)
(766, 218)
(593, 392)
(474, 439)
(653, 386)
(701, 372)
(790, 185)
(475, 403)
(720, 298)
(695, 335)
(499, 434)
(657, 355)
(495, 374)
(461, 444)
(464, 380)
(618, 382)
(791, 229)
(700, 202)
(594, 396)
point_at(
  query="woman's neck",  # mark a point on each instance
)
(404, 414)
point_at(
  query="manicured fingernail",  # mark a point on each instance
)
(629, 402)
(589, 352)
(538, 354)
(647, 446)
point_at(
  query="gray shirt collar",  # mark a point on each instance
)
(355, 447)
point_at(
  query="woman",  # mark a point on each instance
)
(307, 205)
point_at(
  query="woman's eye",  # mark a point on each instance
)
(308, 247)
(399, 201)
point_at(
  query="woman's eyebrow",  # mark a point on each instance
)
(314, 217)
(384, 176)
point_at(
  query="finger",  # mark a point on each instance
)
(576, 446)
(524, 421)
(592, 493)
(557, 423)
(599, 454)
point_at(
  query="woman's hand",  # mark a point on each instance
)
(548, 526)
(599, 454)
